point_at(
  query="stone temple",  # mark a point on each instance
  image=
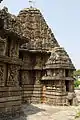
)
(33, 66)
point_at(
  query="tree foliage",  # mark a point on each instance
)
(77, 77)
(76, 83)
(77, 73)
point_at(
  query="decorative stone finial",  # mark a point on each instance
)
(5, 9)
(31, 3)
(1, 1)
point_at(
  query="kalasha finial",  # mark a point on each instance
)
(31, 3)
(1, 1)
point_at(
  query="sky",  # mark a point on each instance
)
(63, 17)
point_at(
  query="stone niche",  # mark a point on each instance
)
(2, 46)
(12, 48)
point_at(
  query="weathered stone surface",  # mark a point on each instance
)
(59, 57)
(11, 26)
(41, 35)
(33, 66)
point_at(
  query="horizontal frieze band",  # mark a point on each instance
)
(6, 59)
(5, 89)
(56, 78)
(9, 94)
(10, 103)
(31, 89)
(33, 86)
(14, 98)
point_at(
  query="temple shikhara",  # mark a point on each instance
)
(33, 66)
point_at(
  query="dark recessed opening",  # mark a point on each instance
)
(66, 73)
(70, 102)
(20, 80)
(20, 55)
(67, 85)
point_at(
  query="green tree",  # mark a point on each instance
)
(76, 83)
(76, 73)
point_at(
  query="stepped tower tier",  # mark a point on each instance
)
(59, 59)
(41, 36)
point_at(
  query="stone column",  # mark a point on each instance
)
(27, 86)
(37, 88)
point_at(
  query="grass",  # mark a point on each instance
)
(77, 115)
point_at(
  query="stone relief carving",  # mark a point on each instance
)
(14, 50)
(2, 82)
(38, 61)
(12, 75)
(48, 72)
(2, 46)
(25, 77)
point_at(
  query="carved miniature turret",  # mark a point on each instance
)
(59, 69)
(59, 59)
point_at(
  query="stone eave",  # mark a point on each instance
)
(11, 26)
(9, 60)
(30, 68)
(34, 51)
(14, 35)
(45, 78)
(60, 67)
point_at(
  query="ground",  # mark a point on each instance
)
(46, 112)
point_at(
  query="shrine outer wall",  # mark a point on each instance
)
(10, 40)
(10, 92)
(31, 74)
(41, 84)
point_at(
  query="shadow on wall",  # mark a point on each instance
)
(27, 109)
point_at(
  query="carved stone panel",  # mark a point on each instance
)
(2, 46)
(13, 73)
(38, 61)
(28, 77)
(27, 59)
(14, 49)
(2, 74)
(25, 77)
(49, 73)
(37, 77)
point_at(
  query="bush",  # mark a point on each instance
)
(76, 83)
(77, 115)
